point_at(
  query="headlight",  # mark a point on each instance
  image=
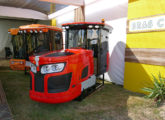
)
(33, 68)
(53, 68)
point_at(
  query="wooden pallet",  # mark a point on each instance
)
(5, 112)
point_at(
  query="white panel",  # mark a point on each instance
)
(88, 83)
(22, 13)
(107, 9)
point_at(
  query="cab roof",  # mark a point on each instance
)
(13, 31)
(39, 26)
(83, 23)
(77, 25)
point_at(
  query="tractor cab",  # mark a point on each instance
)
(33, 39)
(64, 75)
(91, 36)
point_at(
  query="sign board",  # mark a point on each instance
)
(146, 24)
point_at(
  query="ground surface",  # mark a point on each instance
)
(110, 103)
(5, 113)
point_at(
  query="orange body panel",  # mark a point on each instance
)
(13, 31)
(39, 27)
(17, 64)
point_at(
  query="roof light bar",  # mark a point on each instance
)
(20, 31)
(36, 31)
(67, 27)
(90, 26)
(96, 26)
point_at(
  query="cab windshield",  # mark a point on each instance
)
(37, 43)
(25, 45)
(81, 38)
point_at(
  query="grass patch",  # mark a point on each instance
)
(110, 103)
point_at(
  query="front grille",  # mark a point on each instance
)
(59, 83)
(39, 82)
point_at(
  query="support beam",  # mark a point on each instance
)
(79, 14)
(66, 2)
(52, 10)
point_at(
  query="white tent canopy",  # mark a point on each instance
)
(21, 13)
(36, 5)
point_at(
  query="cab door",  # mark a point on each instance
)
(103, 51)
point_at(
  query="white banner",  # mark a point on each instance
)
(147, 24)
